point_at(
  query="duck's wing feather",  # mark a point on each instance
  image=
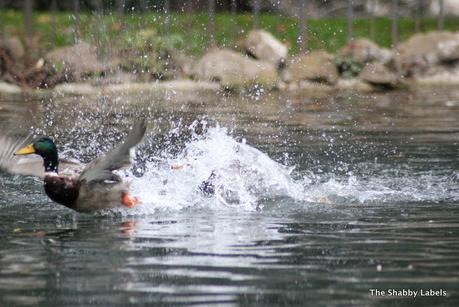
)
(70, 167)
(101, 169)
(18, 165)
(29, 165)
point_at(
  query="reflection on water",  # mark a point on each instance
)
(371, 201)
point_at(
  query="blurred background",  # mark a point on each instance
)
(196, 24)
(163, 38)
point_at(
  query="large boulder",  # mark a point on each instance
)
(379, 75)
(440, 74)
(11, 58)
(265, 47)
(13, 46)
(234, 70)
(363, 50)
(424, 50)
(448, 51)
(315, 66)
(75, 62)
(17, 69)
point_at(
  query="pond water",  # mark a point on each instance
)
(318, 200)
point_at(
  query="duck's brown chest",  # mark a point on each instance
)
(62, 190)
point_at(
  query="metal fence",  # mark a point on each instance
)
(302, 16)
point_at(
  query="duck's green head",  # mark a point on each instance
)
(45, 148)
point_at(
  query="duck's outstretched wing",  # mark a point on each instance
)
(28, 165)
(101, 168)
(18, 165)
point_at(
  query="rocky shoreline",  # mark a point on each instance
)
(262, 62)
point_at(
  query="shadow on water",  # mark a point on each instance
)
(367, 199)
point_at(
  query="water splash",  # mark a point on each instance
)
(242, 176)
(245, 178)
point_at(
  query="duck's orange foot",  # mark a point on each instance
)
(129, 201)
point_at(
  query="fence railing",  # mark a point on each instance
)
(302, 16)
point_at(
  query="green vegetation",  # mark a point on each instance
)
(348, 67)
(190, 31)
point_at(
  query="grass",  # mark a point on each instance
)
(326, 33)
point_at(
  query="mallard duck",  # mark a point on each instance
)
(95, 187)
(31, 165)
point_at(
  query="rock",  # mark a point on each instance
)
(448, 51)
(6, 88)
(234, 70)
(421, 51)
(440, 75)
(17, 69)
(75, 62)
(184, 63)
(378, 75)
(316, 66)
(363, 50)
(14, 46)
(354, 84)
(265, 47)
(445, 78)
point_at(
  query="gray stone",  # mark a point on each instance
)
(316, 66)
(354, 84)
(265, 47)
(234, 70)
(379, 75)
(363, 50)
(421, 51)
(75, 62)
(14, 46)
(448, 51)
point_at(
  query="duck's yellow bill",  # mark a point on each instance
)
(29, 149)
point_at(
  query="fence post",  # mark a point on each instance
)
(166, 11)
(211, 22)
(143, 6)
(256, 13)
(441, 14)
(350, 17)
(143, 9)
(2, 23)
(28, 15)
(234, 21)
(302, 25)
(394, 22)
(417, 18)
(372, 19)
(53, 19)
(189, 14)
(278, 13)
(120, 10)
(76, 21)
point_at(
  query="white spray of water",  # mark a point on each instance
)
(246, 179)
(243, 176)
